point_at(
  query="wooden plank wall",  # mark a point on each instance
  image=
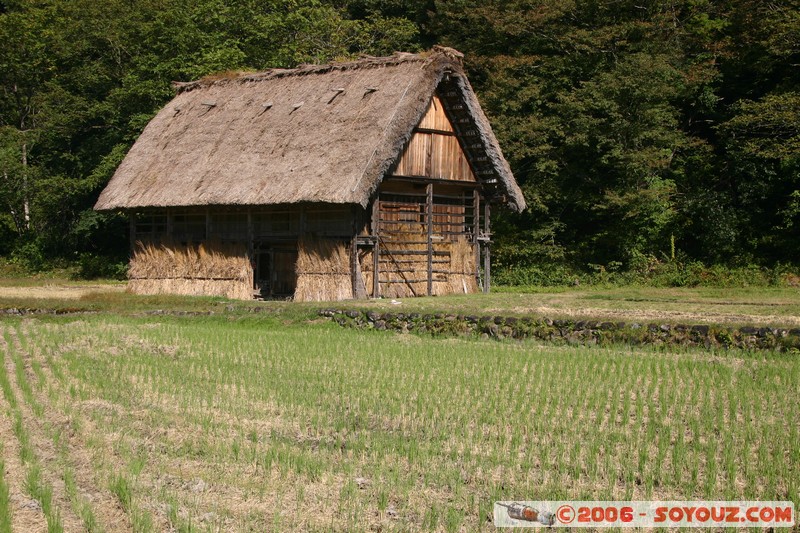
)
(434, 150)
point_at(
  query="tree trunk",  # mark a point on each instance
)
(26, 207)
(11, 209)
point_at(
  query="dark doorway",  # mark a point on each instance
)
(275, 275)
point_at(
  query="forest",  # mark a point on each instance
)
(648, 135)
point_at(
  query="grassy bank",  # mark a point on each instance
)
(774, 306)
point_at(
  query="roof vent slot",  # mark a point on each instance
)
(336, 92)
(266, 106)
(296, 106)
(369, 90)
(208, 107)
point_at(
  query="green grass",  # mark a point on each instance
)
(775, 306)
(5, 499)
(239, 422)
(42, 492)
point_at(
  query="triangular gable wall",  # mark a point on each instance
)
(433, 150)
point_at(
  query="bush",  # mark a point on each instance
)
(649, 272)
(547, 275)
(30, 256)
(93, 266)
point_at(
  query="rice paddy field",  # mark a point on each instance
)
(284, 421)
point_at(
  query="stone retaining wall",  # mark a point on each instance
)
(580, 332)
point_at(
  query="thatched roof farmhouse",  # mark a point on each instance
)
(364, 178)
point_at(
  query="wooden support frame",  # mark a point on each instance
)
(376, 231)
(354, 255)
(170, 228)
(132, 230)
(429, 217)
(476, 230)
(251, 256)
(250, 232)
(359, 290)
(487, 259)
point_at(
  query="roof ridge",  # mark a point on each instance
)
(365, 61)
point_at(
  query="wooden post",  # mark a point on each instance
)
(208, 224)
(250, 246)
(132, 221)
(429, 216)
(376, 226)
(487, 264)
(355, 213)
(476, 229)
(170, 234)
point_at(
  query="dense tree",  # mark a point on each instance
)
(633, 127)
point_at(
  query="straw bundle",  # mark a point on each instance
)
(210, 269)
(236, 290)
(323, 271)
(461, 279)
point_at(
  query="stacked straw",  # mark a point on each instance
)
(323, 270)
(209, 269)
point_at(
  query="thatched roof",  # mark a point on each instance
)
(313, 134)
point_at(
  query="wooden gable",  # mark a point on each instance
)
(434, 150)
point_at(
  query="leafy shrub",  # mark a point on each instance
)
(546, 275)
(93, 266)
(650, 272)
(30, 256)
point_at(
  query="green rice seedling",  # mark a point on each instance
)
(24, 384)
(121, 488)
(431, 520)
(141, 521)
(5, 498)
(453, 520)
(26, 451)
(41, 491)
(81, 507)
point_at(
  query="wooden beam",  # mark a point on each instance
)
(250, 233)
(169, 224)
(487, 260)
(132, 222)
(435, 132)
(376, 249)
(476, 228)
(429, 216)
(354, 254)
(425, 180)
(415, 252)
(356, 277)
